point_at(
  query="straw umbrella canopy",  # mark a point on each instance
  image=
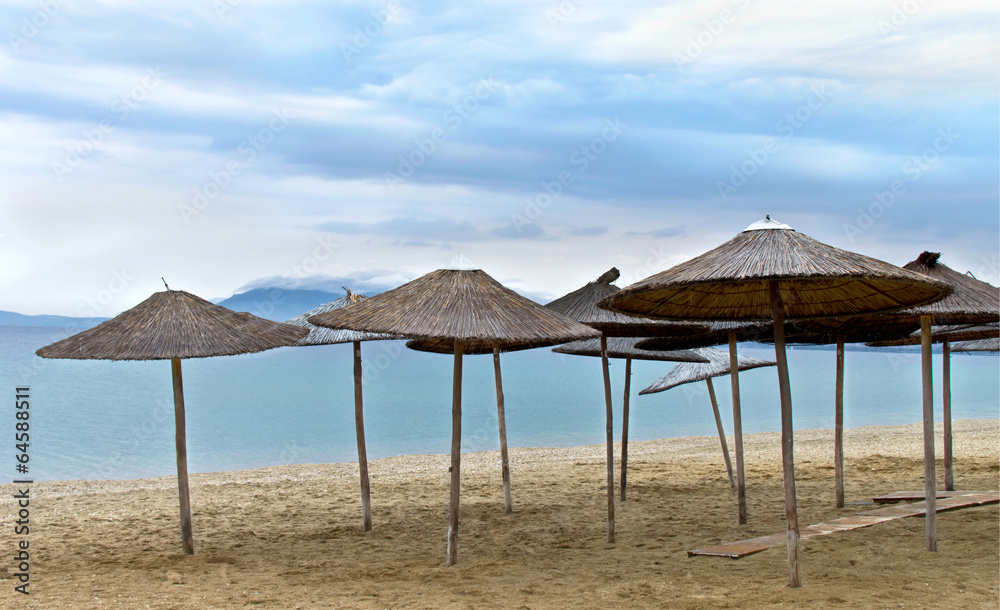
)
(581, 305)
(972, 302)
(771, 271)
(979, 345)
(717, 365)
(328, 336)
(461, 303)
(173, 325)
(624, 348)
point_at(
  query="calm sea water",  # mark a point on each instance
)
(99, 419)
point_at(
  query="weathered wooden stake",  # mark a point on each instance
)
(187, 533)
(359, 425)
(787, 449)
(508, 503)
(838, 427)
(734, 378)
(949, 468)
(628, 389)
(722, 432)
(930, 472)
(610, 438)
(451, 556)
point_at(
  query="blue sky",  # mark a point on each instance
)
(219, 142)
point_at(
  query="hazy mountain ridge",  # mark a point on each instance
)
(10, 318)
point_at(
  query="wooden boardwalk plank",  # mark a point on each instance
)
(950, 501)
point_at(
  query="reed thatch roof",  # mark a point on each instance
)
(464, 304)
(971, 302)
(624, 347)
(717, 334)
(327, 336)
(718, 365)
(174, 324)
(814, 279)
(581, 305)
(980, 345)
(469, 347)
(940, 334)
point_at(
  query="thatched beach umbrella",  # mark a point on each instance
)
(624, 348)
(771, 271)
(173, 325)
(328, 336)
(463, 304)
(971, 302)
(581, 305)
(718, 365)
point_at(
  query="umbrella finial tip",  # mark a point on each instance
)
(460, 263)
(768, 223)
(165, 283)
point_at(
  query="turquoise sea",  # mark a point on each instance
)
(114, 420)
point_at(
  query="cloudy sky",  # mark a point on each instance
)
(219, 142)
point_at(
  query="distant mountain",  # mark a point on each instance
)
(278, 304)
(9, 318)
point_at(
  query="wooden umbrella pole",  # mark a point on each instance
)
(187, 533)
(508, 503)
(628, 389)
(722, 432)
(838, 427)
(451, 556)
(787, 449)
(610, 438)
(734, 378)
(359, 424)
(930, 474)
(949, 470)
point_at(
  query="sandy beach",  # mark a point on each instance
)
(290, 536)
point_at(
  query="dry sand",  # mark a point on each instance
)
(290, 536)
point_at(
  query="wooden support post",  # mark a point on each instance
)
(451, 556)
(359, 425)
(508, 503)
(628, 389)
(787, 449)
(183, 491)
(949, 466)
(741, 483)
(610, 438)
(722, 433)
(838, 427)
(930, 473)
